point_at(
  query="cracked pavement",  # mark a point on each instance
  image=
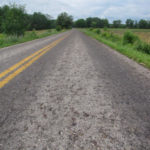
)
(81, 95)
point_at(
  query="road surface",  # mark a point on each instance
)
(70, 92)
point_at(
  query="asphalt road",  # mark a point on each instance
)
(75, 94)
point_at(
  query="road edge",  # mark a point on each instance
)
(134, 64)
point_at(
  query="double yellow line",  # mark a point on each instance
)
(25, 63)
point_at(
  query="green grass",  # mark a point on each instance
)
(133, 30)
(143, 34)
(128, 50)
(29, 35)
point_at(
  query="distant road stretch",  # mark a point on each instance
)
(70, 92)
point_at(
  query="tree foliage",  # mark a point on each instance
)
(117, 23)
(93, 22)
(80, 23)
(13, 20)
(143, 24)
(39, 21)
(129, 23)
(64, 20)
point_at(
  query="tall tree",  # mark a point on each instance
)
(39, 21)
(80, 23)
(129, 23)
(64, 20)
(117, 23)
(14, 20)
(3, 11)
(105, 23)
(143, 24)
(89, 22)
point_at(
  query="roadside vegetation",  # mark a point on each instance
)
(8, 40)
(17, 26)
(143, 34)
(129, 43)
(95, 22)
(131, 38)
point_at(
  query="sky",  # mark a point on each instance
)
(110, 9)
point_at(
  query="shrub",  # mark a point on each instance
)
(33, 34)
(12, 39)
(129, 38)
(49, 30)
(144, 47)
(90, 29)
(111, 36)
(58, 28)
(1, 41)
(105, 29)
(98, 31)
(106, 34)
(114, 37)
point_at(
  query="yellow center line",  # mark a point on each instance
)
(26, 65)
(22, 61)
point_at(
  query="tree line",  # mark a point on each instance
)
(95, 22)
(14, 20)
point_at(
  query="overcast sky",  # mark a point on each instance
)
(111, 9)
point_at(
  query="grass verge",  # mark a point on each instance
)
(29, 36)
(128, 50)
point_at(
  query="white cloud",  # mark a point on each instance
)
(116, 9)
